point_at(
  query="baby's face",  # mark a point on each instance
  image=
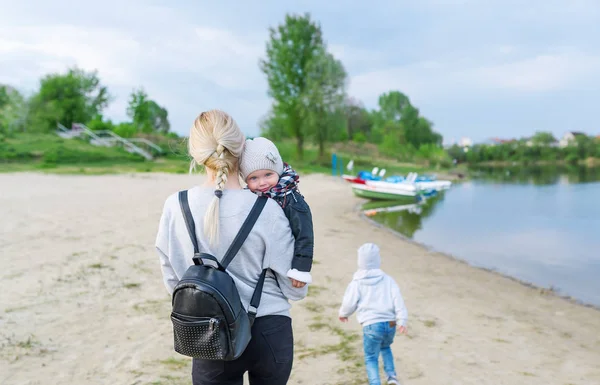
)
(262, 180)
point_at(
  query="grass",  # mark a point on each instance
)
(50, 153)
(14, 349)
(172, 166)
(429, 323)
(175, 363)
(314, 290)
(99, 266)
(52, 149)
(15, 308)
(156, 307)
(314, 307)
(345, 349)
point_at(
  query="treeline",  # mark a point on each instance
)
(541, 148)
(76, 96)
(310, 104)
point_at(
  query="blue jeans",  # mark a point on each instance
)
(377, 338)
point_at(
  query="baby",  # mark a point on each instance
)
(266, 174)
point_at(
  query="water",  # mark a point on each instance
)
(541, 226)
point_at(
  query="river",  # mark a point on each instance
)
(539, 225)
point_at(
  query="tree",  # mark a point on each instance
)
(542, 138)
(395, 107)
(392, 105)
(358, 119)
(13, 109)
(74, 97)
(290, 50)
(324, 97)
(146, 114)
(3, 96)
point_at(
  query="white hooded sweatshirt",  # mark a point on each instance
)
(372, 294)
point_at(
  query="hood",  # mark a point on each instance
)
(368, 257)
(369, 277)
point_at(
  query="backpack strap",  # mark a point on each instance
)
(255, 301)
(241, 236)
(189, 219)
(259, 204)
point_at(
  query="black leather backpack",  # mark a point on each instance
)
(209, 320)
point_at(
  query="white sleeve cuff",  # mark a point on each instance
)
(302, 276)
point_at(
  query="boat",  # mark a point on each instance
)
(379, 190)
(372, 185)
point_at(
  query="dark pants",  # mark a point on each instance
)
(267, 359)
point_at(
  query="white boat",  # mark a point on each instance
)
(372, 189)
(371, 185)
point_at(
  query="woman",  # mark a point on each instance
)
(219, 207)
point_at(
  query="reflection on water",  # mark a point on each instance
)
(535, 225)
(538, 175)
(405, 219)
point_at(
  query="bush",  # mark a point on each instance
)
(10, 152)
(125, 130)
(572, 158)
(359, 137)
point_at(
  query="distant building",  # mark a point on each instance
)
(569, 138)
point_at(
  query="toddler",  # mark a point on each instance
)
(376, 298)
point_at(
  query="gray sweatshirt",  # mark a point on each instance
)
(372, 294)
(269, 245)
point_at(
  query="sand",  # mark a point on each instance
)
(82, 299)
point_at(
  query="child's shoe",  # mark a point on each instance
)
(392, 381)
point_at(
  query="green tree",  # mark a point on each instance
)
(13, 109)
(358, 119)
(392, 105)
(146, 114)
(542, 138)
(74, 97)
(324, 96)
(290, 50)
(418, 130)
(3, 96)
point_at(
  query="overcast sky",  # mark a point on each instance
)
(476, 68)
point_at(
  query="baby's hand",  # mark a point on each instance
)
(297, 284)
(343, 319)
(402, 329)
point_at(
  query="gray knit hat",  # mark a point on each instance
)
(260, 154)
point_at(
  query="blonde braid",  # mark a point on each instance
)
(216, 143)
(222, 170)
(211, 220)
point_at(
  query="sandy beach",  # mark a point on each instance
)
(82, 299)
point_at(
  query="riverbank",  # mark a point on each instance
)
(588, 162)
(83, 301)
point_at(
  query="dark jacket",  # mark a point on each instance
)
(298, 213)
